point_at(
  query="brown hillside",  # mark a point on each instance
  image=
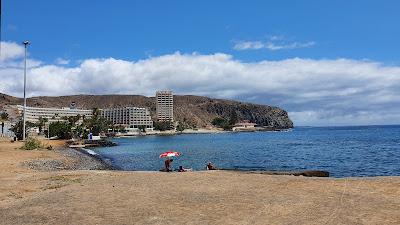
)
(193, 109)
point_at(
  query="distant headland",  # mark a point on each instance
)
(196, 111)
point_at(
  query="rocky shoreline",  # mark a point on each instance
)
(71, 159)
(84, 160)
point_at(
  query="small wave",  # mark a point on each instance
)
(91, 152)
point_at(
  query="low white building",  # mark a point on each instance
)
(34, 113)
(244, 125)
(129, 117)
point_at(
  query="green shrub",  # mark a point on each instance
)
(222, 123)
(61, 129)
(32, 144)
(219, 122)
(181, 127)
(163, 125)
(18, 127)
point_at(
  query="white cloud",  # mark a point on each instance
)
(273, 43)
(61, 61)
(10, 51)
(254, 45)
(315, 92)
(244, 45)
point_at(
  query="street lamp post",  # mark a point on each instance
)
(26, 43)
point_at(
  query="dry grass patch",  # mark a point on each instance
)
(59, 181)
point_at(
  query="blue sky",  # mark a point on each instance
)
(132, 30)
(325, 62)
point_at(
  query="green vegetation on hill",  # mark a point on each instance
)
(224, 123)
(221, 123)
(163, 125)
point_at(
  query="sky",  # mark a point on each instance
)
(325, 62)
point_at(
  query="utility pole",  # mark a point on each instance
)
(26, 43)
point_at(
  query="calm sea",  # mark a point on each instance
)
(354, 151)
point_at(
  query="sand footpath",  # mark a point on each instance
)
(63, 196)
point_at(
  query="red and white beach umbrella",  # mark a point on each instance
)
(170, 154)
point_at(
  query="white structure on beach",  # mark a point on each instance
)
(165, 106)
(34, 113)
(244, 125)
(130, 117)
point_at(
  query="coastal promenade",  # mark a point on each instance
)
(52, 194)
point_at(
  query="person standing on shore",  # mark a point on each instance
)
(168, 164)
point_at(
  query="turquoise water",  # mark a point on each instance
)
(343, 151)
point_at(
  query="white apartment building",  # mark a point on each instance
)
(33, 113)
(165, 106)
(131, 117)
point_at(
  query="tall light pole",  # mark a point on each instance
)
(26, 43)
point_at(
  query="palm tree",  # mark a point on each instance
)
(3, 118)
(95, 112)
(78, 117)
(42, 121)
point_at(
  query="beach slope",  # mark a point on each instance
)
(30, 196)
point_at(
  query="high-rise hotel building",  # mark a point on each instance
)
(165, 106)
(131, 117)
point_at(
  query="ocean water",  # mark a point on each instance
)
(354, 151)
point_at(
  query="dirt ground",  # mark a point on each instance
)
(215, 197)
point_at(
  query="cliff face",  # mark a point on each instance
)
(203, 110)
(196, 110)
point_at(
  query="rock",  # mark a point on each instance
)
(313, 173)
(100, 143)
(262, 115)
(306, 173)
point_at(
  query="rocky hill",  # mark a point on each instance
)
(196, 110)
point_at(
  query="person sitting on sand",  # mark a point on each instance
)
(181, 169)
(168, 164)
(210, 166)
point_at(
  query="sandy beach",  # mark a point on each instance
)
(75, 191)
